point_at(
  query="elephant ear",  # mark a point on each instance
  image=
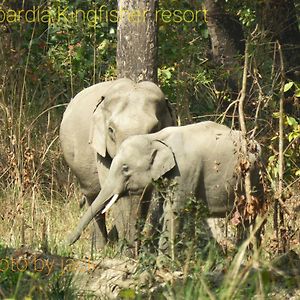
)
(162, 159)
(97, 134)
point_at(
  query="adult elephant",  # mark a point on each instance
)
(95, 124)
(203, 159)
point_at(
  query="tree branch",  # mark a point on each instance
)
(241, 100)
(281, 133)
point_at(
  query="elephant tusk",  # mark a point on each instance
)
(110, 203)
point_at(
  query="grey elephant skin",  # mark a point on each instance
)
(94, 125)
(201, 158)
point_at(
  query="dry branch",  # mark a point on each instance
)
(241, 101)
(281, 151)
(281, 133)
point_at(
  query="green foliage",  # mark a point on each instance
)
(245, 11)
(247, 16)
(196, 235)
(128, 294)
(183, 67)
(9, 279)
(214, 275)
(291, 84)
(60, 287)
(67, 54)
(17, 283)
(291, 141)
(45, 65)
(81, 50)
(291, 151)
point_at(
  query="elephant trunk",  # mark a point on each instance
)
(105, 194)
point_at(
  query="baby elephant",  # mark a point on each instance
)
(201, 158)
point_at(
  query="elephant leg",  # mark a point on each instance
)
(170, 229)
(99, 228)
(130, 215)
(125, 215)
(152, 227)
(100, 236)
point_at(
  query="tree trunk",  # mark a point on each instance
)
(137, 40)
(227, 41)
(279, 19)
(226, 33)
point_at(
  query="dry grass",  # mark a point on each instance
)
(38, 196)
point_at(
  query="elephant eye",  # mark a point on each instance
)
(110, 130)
(111, 133)
(125, 168)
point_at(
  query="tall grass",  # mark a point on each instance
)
(35, 183)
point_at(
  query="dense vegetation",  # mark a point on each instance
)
(45, 64)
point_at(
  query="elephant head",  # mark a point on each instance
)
(125, 109)
(140, 161)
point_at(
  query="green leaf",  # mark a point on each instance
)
(272, 158)
(293, 136)
(168, 74)
(204, 33)
(288, 86)
(297, 93)
(127, 294)
(291, 121)
(274, 138)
